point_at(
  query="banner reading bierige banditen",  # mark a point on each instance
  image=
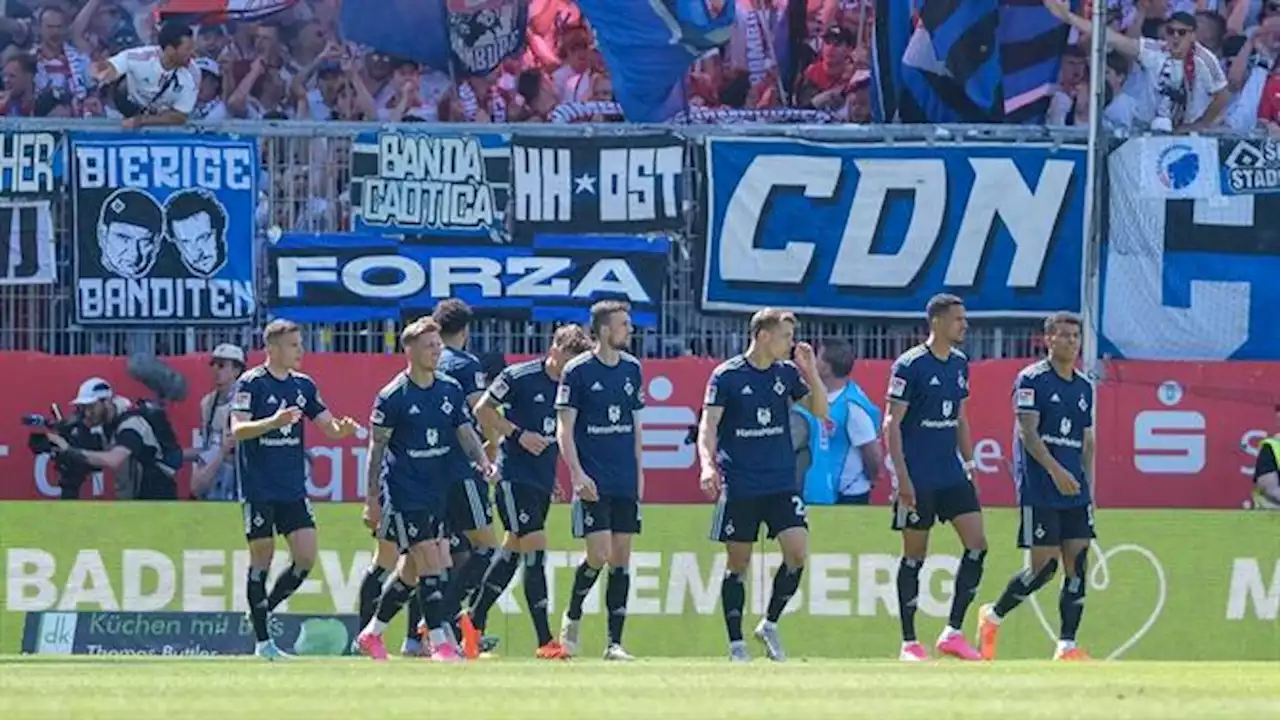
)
(164, 229)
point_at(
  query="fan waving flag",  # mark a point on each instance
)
(217, 12)
(1031, 45)
(411, 29)
(965, 60)
(649, 45)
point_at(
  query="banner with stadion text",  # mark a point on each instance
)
(1170, 434)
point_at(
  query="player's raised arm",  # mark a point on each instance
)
(816, 397)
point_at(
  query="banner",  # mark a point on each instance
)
(181, 634)
(458, 37)
(1187, 279)
(430, 184)
(30, 179)
(343, 278)
(164, 229)
(630, 184)
(1170, 435)
(1249, 166)
(1176, 167)
(483, 33)
(1163, 585)
(875, 230)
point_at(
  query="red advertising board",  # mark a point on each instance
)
(1170, 434)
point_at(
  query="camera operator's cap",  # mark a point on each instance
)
(228, 351)
(93, 390)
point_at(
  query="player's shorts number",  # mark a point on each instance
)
(801, 511)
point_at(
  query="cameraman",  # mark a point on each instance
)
(139, 441)
(214, 475)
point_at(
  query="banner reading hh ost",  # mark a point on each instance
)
(860, 229)
(164, 229)
(1163, 585)
(1169, 434)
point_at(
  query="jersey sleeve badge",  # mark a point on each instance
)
(897, 387)
(1026, 398)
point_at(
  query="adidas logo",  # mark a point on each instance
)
(272, 399)
(934, 380)
(539, 398)
(597, 386)
(413, 410)
(746, 390)
(1053, 398)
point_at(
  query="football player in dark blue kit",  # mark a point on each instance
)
(749, 466)
(598, 406)
(1053, 461)
(271, 465)
(469, 519)
(931, 447)
(527, 460)
(419, 423)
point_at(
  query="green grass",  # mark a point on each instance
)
(182, 689)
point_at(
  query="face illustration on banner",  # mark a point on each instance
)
(483, 32)
(196, 224)
(130, 228)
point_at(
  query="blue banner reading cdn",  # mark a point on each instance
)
(874, 230)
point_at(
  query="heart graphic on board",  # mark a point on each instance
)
(1100, 579)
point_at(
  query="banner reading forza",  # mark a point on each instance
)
(1164, 585)
(164, 228)
(862, 229)
(322, 278)
(1170, 435)
(30, 179)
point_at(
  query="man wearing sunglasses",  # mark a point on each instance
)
(1187, 89)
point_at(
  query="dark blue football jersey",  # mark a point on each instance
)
(1065, 410)
(755, 453)
(464, 368)
(419, 462)
(932, 389)
(528, 394)
(606, 398)
(273, 467)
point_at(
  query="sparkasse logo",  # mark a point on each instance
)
(1169, 442)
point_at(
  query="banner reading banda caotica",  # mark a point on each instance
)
(860, 229)
(430, 184)
(164, 228)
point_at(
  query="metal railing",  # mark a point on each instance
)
(307, 167)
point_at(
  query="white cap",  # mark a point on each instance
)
(227, 351)
(93, 390)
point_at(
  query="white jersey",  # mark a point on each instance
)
(154, 88)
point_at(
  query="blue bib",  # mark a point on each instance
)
(828, 449)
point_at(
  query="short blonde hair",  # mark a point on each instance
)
(770, 319)
(418, 328)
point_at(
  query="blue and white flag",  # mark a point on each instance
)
(872, 230)
(649, 45)
(476, 35)
(164, 228)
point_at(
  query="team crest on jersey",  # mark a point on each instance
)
(778, 386)
(302, 401)
(446, 407)
(763, 415)
(615, 413)
(287, 430)
(1065, 426)
(946, 408)
(1084, 404)
(433, 436)
(628, 388)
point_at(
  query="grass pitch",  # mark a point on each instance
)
(141, 689)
